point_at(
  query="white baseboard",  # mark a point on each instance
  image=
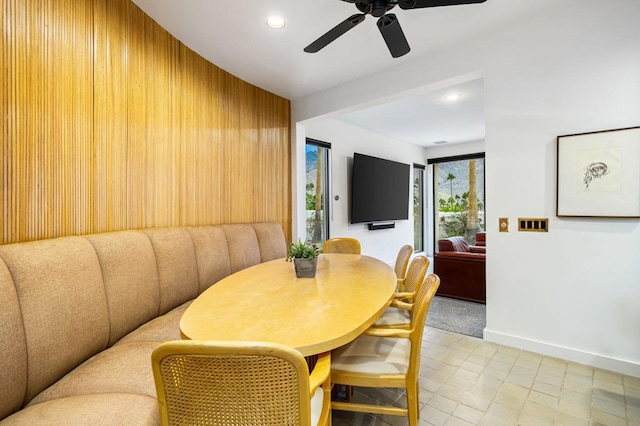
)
(621, 366)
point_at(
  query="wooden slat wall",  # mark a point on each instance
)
(110, 123)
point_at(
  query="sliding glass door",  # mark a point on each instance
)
(418, 208)
(317, 167)
(459, 197)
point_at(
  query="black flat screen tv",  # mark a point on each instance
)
(379, 190)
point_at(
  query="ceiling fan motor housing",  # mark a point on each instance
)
(376, 8)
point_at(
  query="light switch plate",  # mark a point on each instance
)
(503, 224)
(533, 224)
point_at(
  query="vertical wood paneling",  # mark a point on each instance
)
(110, 123)
(110, 116)
(46, 181)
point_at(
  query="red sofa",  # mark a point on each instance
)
(462, 269)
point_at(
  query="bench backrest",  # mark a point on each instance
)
(65, 299)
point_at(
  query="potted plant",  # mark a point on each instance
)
(304, 257)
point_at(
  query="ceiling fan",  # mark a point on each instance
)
(387, 22)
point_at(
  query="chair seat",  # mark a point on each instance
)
(316, 406)
(394, 316)
(373, 355)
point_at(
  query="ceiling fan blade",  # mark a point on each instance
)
(418, 4)
(335, 32)
(393, 35)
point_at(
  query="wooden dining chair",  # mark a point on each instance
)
(386, 358)
(341, 245)
(402, 261)
(415, 273)
(240, 383)
(398, 314)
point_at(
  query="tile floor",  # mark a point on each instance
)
(467, 381)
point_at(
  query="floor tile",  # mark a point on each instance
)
(467, 381)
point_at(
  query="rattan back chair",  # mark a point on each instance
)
(341, 245)
(239, 383)
(398, 315)
(386, 358)
(415, 274)
(402, 261)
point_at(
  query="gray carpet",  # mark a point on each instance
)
(457, 316)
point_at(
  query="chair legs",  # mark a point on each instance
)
(413, 404)
(412, 412)
(418, 398)
(337, 392)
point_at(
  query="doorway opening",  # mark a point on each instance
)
(317, 170)
(459, 197)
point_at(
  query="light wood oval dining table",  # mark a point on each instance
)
(266, 302)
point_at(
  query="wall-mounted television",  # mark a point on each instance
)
(379, 190)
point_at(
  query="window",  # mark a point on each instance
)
(317, 158)
(418, 207)
(458, 188)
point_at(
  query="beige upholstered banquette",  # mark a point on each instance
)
(80, 316)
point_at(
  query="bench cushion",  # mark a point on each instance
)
(13, 375)
(123, 368)
(177, 267)
(130, 279)
(271, 241)
(63, 273)
(96, 409)
(165, 327)
(212, 254)
(242, 241)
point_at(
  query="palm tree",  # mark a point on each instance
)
(450, 178)
(472, 217)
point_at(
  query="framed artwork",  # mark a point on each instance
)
(598, 174)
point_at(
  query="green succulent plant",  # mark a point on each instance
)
(302, 250)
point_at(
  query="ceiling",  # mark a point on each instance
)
(429, 119)
(234, 36)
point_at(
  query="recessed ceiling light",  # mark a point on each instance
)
(453, 97)
(439, 142)
(275, 22)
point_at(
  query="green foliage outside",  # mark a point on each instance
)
(315, 223)
(453, 210)
(311, 197)
(417, 216)
(454, 225)
(315, 220)
(457, 203)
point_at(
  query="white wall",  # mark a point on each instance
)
(346, 139)
(573, 292)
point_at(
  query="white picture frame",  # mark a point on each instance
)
(598, 174)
